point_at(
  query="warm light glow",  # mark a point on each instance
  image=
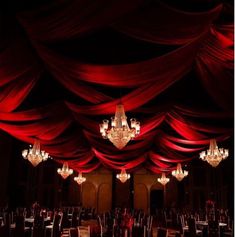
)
(214, 155)
(35, 155)
(179, 173)
(119, 133)
(123, 176)
(65, 171)
(79, 179)
(163, 180)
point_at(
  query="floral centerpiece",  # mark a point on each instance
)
(127, 221)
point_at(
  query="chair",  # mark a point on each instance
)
(139, 231)
(75, 219)
(213, 229)
(182, 227)
(229, 232)
(192, 229)
(65, 220)
(149, 225)
(102, 228)
(19, 230)
(37, 229)
(73, 232)
(167, 221)
(162, 232)
(5, 230)
(54, 229)
(84, 231)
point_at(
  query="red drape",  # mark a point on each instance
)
(68, 127)
(67, 19)
(18, 74)
(166, 25)
(214, 65)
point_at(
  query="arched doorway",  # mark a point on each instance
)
(156, 200)
(104, 199)
(88, 195)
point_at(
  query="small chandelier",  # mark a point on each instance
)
(65, 171)
(34, 154)
(79, 179)
(214, 155)
(179, 173)
(119, 133)
(163, 180)
(123, 176)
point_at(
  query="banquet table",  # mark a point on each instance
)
(31, 219)
(205, 223)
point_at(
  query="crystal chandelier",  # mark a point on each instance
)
(214, 155)
(163, 180)
(65, 171)
(123, 176)
(179, 173)
(119, 133)
(79, 179)
(34, 154)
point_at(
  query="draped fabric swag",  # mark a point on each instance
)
(197, 43)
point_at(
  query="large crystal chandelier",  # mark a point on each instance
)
(119, 133)
(123, 176)
(34, 154)
(214, 155)
(163, 180)
(79, 179)
(65, 171)
(179, 173)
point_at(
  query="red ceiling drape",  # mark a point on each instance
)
(69, 128)
(167, 25)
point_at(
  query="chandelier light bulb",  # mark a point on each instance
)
(34, 154)
(65, 171)
(123, 176)
(163, 180)
(80, 179)
(119, 133)
(214, 155)
(179, 173)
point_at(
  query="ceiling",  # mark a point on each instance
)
(64, 67)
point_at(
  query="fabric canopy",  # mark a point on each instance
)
(65, 65)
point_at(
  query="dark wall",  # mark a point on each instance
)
(5, 153)
(22, 183)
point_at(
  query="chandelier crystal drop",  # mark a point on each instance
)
(179, 173)
(34, 154)
(120, 133)
(214, 155)
(123, 176)
(80, 179)
(65, 171)
(163, 180)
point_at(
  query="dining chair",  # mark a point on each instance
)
(162, 232)
(84, 231)
(229, 232)
(213, 228)
(192, 228)
(20, 229)
(54, 228)
(75, 219)
(167, 220)
(37, 229)
(182, 226)
(5, 230)
(73, 232)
